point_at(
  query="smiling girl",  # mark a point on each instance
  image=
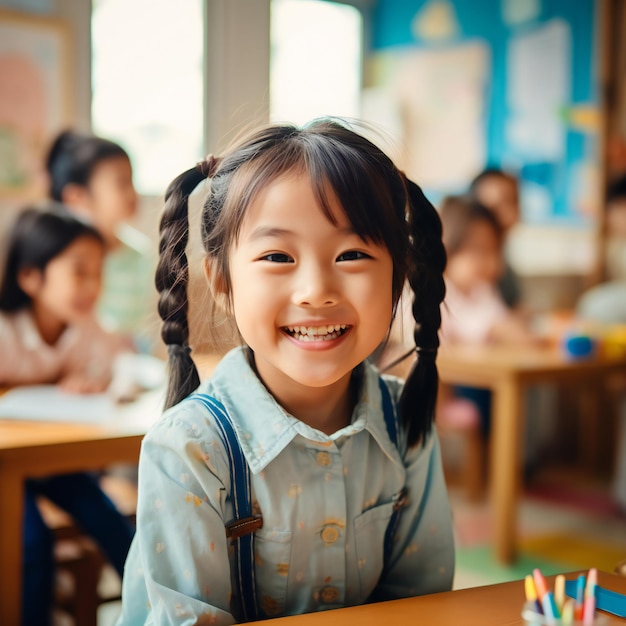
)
(309, 235)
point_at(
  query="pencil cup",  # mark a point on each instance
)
(533, 618)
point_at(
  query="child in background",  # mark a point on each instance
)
(474, 310)
(498, 191)
(93, 177)
(310, 234)
(48, 293)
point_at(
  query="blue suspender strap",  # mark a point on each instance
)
(389, 411)
(393, 428)
(241, 529)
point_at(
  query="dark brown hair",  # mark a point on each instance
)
(458, 213)
(73, 157)
(380, 203)
(38, 235)
(489, 173)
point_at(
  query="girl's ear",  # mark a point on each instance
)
(77, 197)
(30, 280)
(217, 285)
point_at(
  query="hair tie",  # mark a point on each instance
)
(176, 350)
(426, 353)
(209, 166)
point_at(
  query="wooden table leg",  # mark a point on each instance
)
(590, 418)
(11, 519)
(506, 431)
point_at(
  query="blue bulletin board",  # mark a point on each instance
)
(539, 115)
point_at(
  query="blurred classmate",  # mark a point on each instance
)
(498, 191)
(48, 334)
(474, 311)
(93, 177)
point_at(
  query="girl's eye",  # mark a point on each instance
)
(277, 257)
(353, 255)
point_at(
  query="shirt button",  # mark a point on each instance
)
(329, 595)
(324, 459)
(329, 534)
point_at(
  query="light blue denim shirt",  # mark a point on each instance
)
(326, 501)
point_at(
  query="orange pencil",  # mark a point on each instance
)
(540, 583)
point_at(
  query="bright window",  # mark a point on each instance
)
(316, 56)
(147, 79)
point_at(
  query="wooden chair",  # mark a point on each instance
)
(79, 564)
(79, 568)
(79, 561)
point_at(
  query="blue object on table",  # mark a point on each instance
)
(578, 346)
(606, 600)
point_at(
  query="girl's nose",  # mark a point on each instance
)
(315, 287)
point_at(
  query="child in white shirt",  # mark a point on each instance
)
(48, 334)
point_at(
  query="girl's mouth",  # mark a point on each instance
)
(317, 333)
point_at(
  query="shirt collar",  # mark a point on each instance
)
(31, 337)
(264, 428)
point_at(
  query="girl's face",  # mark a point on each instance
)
(478, 260)
(110, 197)
(500, 194)
(68, 288)
(310, 298)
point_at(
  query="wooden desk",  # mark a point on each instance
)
(495, 605)
(508, 372)
(30, 449)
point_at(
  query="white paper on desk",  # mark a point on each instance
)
(51, 403)
(138, 373)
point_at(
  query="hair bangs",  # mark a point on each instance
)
(355, 183)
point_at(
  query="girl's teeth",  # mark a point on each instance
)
(317, 333)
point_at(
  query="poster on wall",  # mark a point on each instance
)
(436, 99)
(538, 87)
(35, 98)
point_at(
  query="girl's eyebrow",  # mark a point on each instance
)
(262, 232)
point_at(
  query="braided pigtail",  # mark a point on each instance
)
(172, 276)
(417, 403)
